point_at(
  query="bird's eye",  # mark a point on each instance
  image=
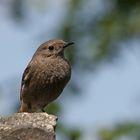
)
(51, 48)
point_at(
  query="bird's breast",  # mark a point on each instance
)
(53, 71)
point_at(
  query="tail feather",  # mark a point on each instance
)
(24, 107)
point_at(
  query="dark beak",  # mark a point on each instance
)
(68, 44)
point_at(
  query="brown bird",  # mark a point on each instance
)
(45, 77)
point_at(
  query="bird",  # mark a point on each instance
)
(45, 76)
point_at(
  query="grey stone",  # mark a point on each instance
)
(28, 126)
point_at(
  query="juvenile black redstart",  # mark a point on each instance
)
(45, 77)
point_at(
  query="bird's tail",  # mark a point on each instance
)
(24, 107)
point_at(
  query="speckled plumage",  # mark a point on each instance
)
(45, 76)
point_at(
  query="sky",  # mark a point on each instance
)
(111, 94)
(108, 96)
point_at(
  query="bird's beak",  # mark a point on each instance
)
(68, 44)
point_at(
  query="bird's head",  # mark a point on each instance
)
(53, 48)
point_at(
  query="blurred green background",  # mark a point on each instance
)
(105, 60)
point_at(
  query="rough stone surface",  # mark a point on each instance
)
(28, 126)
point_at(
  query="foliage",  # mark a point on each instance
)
(102, 35)
(123, 130)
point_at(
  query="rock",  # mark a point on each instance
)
(28, 126)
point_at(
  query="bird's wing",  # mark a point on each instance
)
(25, 79)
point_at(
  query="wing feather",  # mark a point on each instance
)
(25, 80)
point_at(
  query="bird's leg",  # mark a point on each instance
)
(35, 109)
